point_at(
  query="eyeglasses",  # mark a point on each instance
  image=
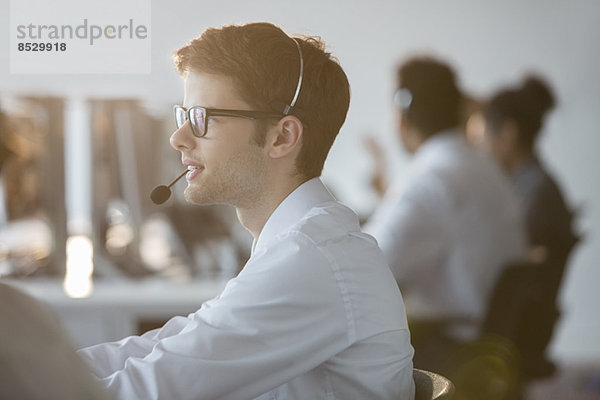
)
(198, 117)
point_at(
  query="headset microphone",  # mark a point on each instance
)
(161, 193)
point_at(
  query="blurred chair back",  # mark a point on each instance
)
(523, 310)
(518, 326)
(432, 386)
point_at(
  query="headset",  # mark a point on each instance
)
(161, 193)
(288, 108)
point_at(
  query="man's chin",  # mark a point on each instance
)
(196, 197)
(192, 196)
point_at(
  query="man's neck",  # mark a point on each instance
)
(255, 217)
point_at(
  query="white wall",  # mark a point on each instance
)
(489, 45)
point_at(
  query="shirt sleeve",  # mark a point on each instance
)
(104, 359)
(258, 334)
(409, 227)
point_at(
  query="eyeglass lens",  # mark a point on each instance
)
(197, 118)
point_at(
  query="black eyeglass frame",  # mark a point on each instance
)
(219, 112)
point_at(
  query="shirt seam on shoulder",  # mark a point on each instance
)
(343, 289)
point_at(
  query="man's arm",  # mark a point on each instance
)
(273, 322)
(106, 358)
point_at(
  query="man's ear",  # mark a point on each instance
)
(408, 134)
(286, 138)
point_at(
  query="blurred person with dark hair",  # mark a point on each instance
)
(5, 153)
(451, 223)
(315, 312)
(513, 121)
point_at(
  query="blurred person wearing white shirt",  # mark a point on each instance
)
(315, 312)
(450, 225)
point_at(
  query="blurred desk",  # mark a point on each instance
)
(118, 308)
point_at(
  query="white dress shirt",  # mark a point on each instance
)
(447, 229)
(314, 314)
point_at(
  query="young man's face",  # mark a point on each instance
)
(230, 167)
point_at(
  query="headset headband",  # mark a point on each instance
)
(287, 108)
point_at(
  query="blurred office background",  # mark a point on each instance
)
(84, 151)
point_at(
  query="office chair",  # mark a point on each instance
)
(519, 323)
(523, 309)
(431, 386)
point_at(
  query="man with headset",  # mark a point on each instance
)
(315, 313)
(450, 224)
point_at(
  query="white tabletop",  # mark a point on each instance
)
(116, 307)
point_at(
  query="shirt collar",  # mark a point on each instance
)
(440, 139)
(436, 145)
(292, 209)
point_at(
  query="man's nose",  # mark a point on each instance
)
(183, 138)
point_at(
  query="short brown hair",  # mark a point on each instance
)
(436, 99)
(264, 63)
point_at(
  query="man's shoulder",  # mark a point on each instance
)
(327, 221)
(324, 231)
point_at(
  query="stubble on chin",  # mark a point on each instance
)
(195, 194)
(239, 181)
(241, 187)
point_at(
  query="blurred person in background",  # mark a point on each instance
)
(37, 357)
(513, 121)
(315, 312)
(5, 155)
(451, 223)
(25, 235)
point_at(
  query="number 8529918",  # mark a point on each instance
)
(57, 46)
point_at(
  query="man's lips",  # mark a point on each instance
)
(193, 171)
(194, 168)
